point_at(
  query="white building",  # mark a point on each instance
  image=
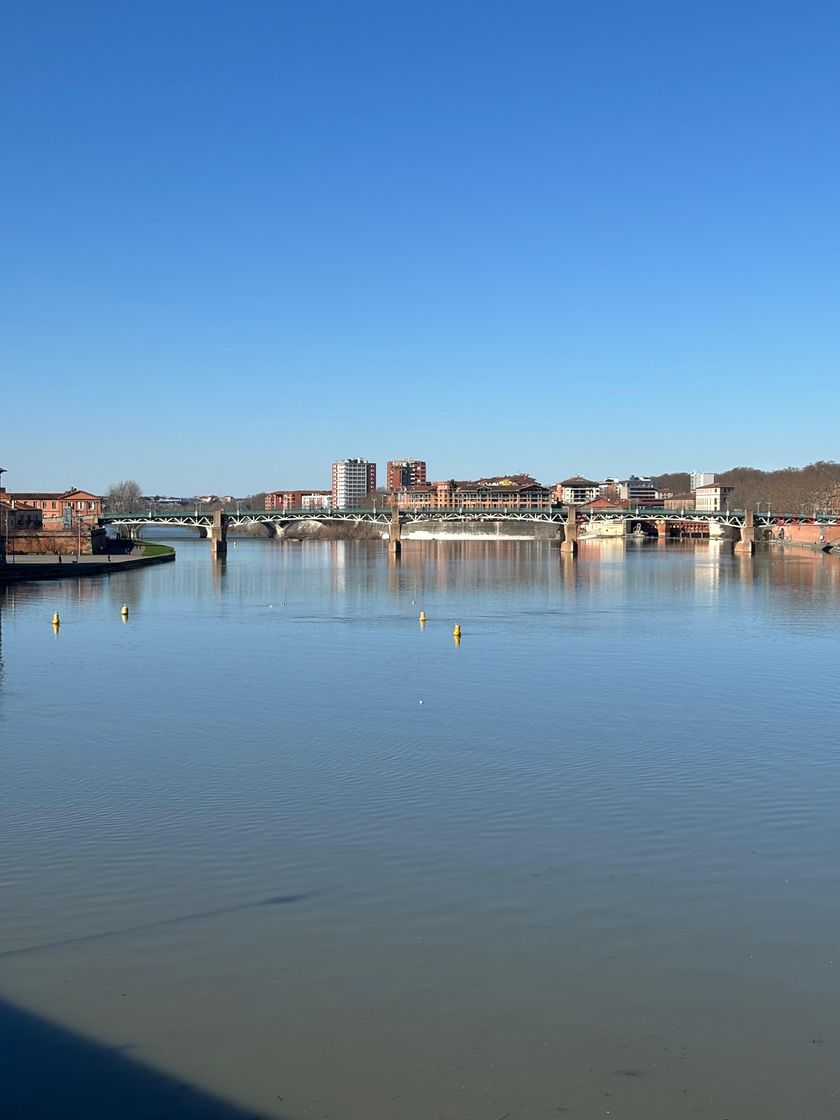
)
(713, 498)
(352, 480)
(701, 478)
(316, 500)
(577, 490)
(638, 491)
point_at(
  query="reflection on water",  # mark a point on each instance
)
(582, 863)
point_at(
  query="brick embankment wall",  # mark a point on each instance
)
(807, 535)
(45, 542)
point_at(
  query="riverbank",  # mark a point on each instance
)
(27, 568)
(806, 546)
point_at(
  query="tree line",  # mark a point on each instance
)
(809, 489)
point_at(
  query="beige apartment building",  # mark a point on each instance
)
(502, 492)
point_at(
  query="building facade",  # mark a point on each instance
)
(16, 516)
(678, 502)
(713, 498)
(62, 511)
(638, 491)
(577, 490)
(702, 478)
(502, 492)
(402, 474)
(352, 481)
(286, 500)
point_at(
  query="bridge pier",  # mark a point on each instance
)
(217, 533)
(746, 545)
(395, 534)
(569, 544)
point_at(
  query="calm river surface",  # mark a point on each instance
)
(276, 842)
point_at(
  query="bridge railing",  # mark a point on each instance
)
(555, 510)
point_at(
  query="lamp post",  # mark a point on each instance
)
(5, 544)
(4, 537)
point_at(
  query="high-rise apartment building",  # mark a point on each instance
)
(402, 473)
(352, 480)
(701, 478)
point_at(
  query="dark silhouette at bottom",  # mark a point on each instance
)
(50, 1073)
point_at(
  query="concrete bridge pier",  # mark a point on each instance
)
(395, 534)
(746, 545)
(217, 533)
(569, 544)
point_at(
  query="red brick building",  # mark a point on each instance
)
(61, 511)
(402, 474)
(15, 516)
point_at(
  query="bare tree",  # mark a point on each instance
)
(123, 497)
(815, 487)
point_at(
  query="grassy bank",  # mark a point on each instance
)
(157, 549)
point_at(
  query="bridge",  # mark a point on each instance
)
(572, 520)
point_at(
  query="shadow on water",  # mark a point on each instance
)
(50, 1073)
(274, 900)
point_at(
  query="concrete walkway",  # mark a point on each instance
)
(22, 567)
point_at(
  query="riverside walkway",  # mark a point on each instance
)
(22, 568)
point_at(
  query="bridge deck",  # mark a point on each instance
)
(555, 514)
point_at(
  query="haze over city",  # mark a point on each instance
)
(245, 240)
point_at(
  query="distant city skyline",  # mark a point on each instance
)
(243, 241)
(696, 478)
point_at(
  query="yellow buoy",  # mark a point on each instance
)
(422, 616)
(124, 611)
(56, 619)
(456, 633)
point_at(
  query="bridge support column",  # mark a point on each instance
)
(569, 544)
(746, 545)
(218, 533)
(395, 534)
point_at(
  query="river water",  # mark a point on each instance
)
(273, 840)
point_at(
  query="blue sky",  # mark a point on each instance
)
(242, 239)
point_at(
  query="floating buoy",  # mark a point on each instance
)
(422, 617)
(124, 611)
(56, 619)
(456, 633)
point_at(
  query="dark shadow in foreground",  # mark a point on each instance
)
(49, 1073)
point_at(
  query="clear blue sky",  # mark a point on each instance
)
(241, 239)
